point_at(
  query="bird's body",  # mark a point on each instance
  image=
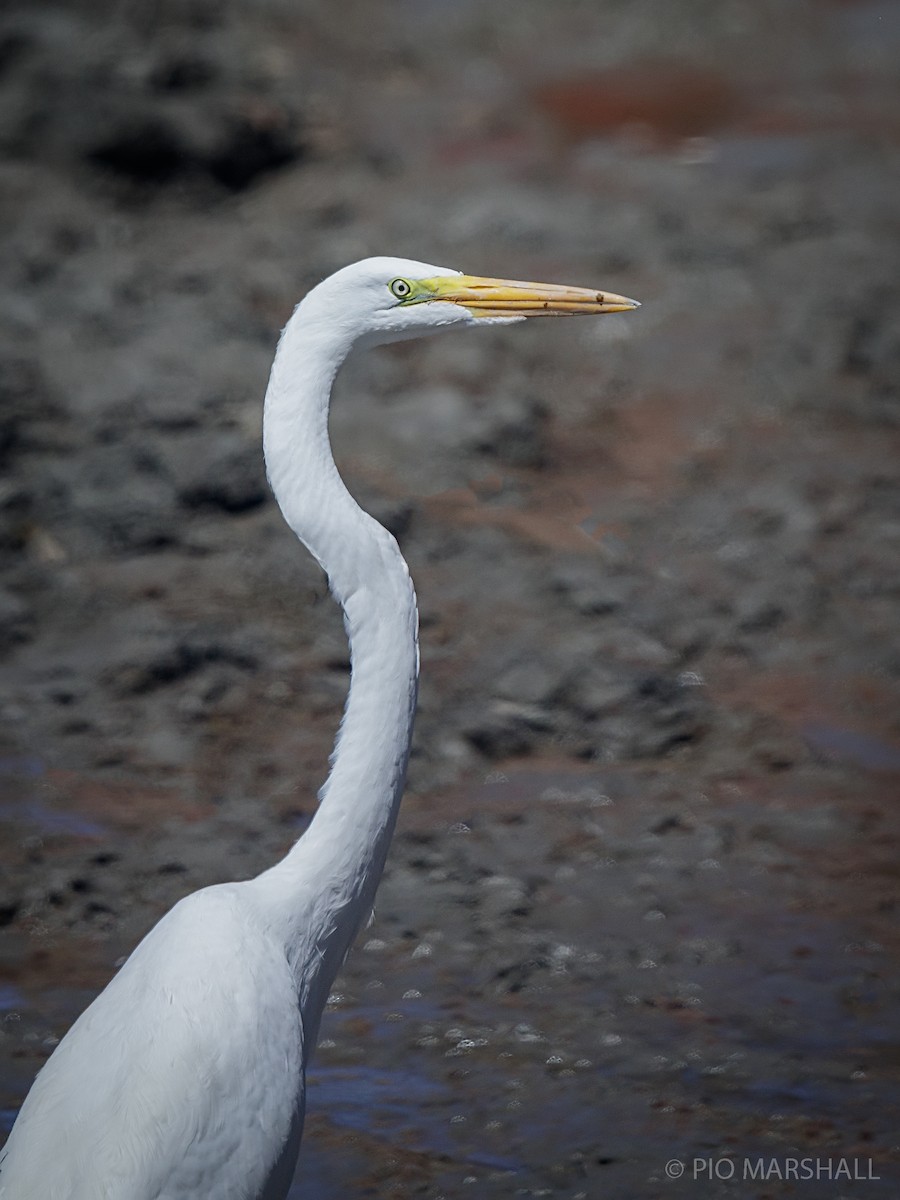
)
(184, 1079)
(139, 1098)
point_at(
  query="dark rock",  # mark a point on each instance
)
(14, 45)
(587, 585)
(668, 716)
(594, 690)
(24, 399)
(15, 620)
(152, 666)
(156, 148)
(116, 493)
(764, 617)
(182, 73)
(517, 975)
(515, 433)
(395, 516)
(232, 478)
(873, 345)
(15, 514)
(509, 729)
(249, 149)
(145, 150)
(499, 739)
(659, 689)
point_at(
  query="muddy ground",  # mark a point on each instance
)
(641, 905)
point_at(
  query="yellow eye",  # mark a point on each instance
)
(401, 288)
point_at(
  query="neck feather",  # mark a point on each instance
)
(318, 895)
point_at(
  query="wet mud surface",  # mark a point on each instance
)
(641, 905)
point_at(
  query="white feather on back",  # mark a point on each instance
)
(188, 1070)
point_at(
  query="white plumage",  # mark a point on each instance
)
(184, 1079)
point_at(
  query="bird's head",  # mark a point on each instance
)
(388, 299)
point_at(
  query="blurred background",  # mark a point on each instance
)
(641, 903)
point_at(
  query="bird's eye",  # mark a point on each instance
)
(401, 288)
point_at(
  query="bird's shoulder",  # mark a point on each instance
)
(207, 928)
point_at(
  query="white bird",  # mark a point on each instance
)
(185, 1078)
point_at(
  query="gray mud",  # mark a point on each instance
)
(642, 901)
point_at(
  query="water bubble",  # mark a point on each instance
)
(598, 799)
(527, 1033)
(690, 679)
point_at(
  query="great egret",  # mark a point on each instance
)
(185, 1077)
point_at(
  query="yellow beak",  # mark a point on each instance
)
(512, 298)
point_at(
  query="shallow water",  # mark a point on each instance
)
(739, 1008)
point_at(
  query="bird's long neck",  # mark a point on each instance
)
(324, 888)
